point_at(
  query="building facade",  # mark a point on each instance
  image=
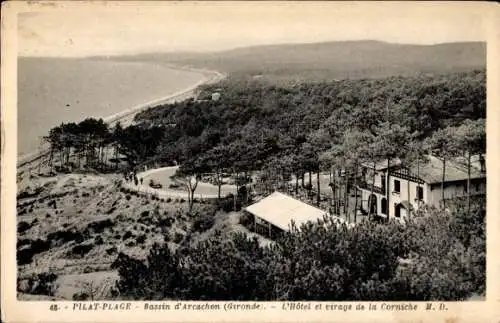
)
(396, 191)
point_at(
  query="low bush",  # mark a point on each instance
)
(64, 236)
(82, 296)
(111, 250)
(178, 237)
(246, 220)
(99, 226)
(99, 240)
(203, 223)
(52, 203)
(81, 249)
(141, 239)
(42, 284)
(23, 226)
(127, 235)
(23, 242)
(166, 221)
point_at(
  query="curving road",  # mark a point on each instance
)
(162, 176)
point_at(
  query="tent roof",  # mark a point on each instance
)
(280, 210)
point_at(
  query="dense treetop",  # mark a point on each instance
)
(262, 118)
(438, 257)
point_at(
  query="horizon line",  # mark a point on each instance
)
(251, 46)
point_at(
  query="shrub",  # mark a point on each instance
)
(128, 197)
(111, 250)
(227, 204)
(23, 242)
(141, 239)
(203, 223)
(64, 236)
(81, 249)
(246, 219)
(43, 284)
(98, 240)
(82, 296)
(169, 200)
(166, 221)
(127, 235)
(23, 226)
(178, 237)
(52, 203)
(111, 210)
(131, 243)
(40, 245)
(99, 226)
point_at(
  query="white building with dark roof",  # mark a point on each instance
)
(398, 190)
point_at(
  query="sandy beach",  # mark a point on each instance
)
(126, 115)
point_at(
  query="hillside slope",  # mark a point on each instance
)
(337, 60)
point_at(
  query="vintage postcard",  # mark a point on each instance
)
(250, 161)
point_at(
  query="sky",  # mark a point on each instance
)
(114, 28)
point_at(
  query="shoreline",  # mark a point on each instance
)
(126, 116)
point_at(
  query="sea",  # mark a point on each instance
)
(56, 90)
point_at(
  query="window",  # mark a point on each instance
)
(420, 193)
(397, 186)
(397, 210)
(383, 206)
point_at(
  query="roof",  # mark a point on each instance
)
(382, 165)
(432, 171)
(280, 210)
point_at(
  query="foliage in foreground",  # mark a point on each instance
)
(437, 257)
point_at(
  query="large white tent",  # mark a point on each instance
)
(280, 210)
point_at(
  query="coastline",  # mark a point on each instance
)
(126, 116)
